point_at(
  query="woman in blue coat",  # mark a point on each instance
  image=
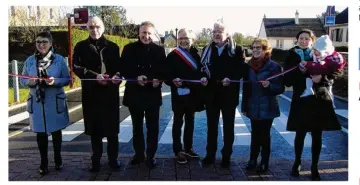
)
(46, 102)
(259, 101)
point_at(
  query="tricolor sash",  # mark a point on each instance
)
(186, 56)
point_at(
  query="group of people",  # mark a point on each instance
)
(313, 65)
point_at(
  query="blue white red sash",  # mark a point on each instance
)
(186, 56)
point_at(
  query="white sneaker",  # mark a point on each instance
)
(308, 91)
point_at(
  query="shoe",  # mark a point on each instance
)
(295, 172)
(251, 165)
(262, 168)
(137, 160)
(315, 176)
(191, 153)
(58, 167)
(43, 170)
(208, 160)
(180, 158)
(225, 162)
(114, 164)
(150, 162)
(94, 167)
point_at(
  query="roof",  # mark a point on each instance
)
(343, 17)
(286, 27)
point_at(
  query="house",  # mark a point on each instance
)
(35, 16)
(169, 40)
(340, 31)
(281, 32)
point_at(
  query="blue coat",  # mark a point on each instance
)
(53, 114)
(258, 102)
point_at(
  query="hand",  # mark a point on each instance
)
(116, 80)
(316, 78)
(101, 79)
(265, 84)
(50, 81)
(156, 82)
(303, 63)
(177, 82)
(32, 82)
(302, 66)
(226, 82)
(204, 81)
(141, 80)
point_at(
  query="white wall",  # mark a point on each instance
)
(288, 42)
(343, 40)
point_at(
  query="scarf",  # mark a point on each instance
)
(42, 63)
(257, 63)
(98, 47)
(205, 59)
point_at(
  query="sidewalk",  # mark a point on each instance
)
(23, 166)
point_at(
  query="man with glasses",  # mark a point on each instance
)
(97, 57)
(221, 61)
(144, 62)
(184, 63)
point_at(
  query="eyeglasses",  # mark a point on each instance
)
(93, 27)
(256, 47)
(218, 31)
(184, 38)
(42, 41)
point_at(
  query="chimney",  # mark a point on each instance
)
(296, 17)
(264, 16)
(171, 32)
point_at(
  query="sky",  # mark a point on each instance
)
(245, 20)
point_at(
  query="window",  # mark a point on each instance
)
(12, 11)
(29, 11)
(347, 34)
(280, 44)
(336, 35)
(38, 12)
(51, 13)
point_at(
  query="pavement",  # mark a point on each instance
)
(24, 157)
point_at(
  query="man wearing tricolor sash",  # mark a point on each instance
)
(222, 61)
(183, 64)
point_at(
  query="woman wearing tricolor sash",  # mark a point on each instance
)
(183, 63)
(221, 61)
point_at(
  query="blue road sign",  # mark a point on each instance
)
(329, 20)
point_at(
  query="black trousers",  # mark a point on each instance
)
(42, 142)
(179, 113)
(97, 148)
(315, 146)
(152, 126)
(213, 115)
(260, 138)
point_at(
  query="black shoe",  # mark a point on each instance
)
(114, 164)
(180, 158)
(94, 167)
(150, 162)
(43, 170)
(208, 160)
(295, 172)
(137, 160)
(251, 165)
(315, 176)
(58, 167)
(225, 162)
(191, 153)
(262, 167)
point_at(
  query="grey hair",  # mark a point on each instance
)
(147, 23)
(189, 33)
(95, 19)
(222, 25)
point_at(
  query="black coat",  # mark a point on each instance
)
(313, 112)
(178, 68)
(100, 103)
(143, 59)
(224, 66)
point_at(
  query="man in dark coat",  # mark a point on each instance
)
(222, 61)
(184, 63)
(97, 57)
(144, 62)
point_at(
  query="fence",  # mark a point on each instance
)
(16, 91)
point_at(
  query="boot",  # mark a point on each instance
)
(308, 91)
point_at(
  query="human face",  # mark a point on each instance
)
(304, 40)
(219, 35)
(184, 41)
(43, 45)
(258, 51)
(96, 30)
(145, 34)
